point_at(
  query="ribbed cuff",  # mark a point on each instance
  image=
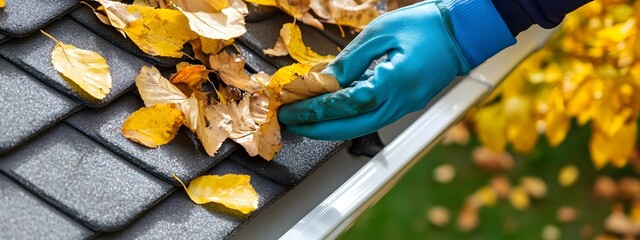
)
(478, 29)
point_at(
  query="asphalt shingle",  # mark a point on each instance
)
(28, 106)
(299, 157)
(83, 179)
(33, 54)
(178, 217)
(25, 216)
(183, 156)
(21, 17)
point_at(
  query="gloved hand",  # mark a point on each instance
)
(423, 58)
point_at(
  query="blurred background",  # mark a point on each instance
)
(551, 154)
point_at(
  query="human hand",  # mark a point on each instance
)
(422, 58)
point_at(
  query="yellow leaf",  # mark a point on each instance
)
(307, 86)
(85, 68)
(159, 32)
(119, 14)
(1, 3)
(292, 37)
(213, 46)
(287, 74)
(534, 186)
(490, 126)
(231, 190)
(153, 126)
(617, 147)
(519, 198)
(568, 175)
(353, 13)
(155, 89)
(202, 5)
(226, 24)
(230, 68)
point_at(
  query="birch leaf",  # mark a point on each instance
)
(155, 89)
(292, 37)
(256, 127)
(271, 3)
(230, 68)
(287, 74)
(160, 32)
(226, 24)
(307, 86)
(1, 3)
(118, 14)
(351, 13)
(191, 75)
(83, 67)
(153, 126)
(279, 50)
(214, 126)
(231, 190)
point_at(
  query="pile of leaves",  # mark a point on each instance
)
(589, 71)
(214, 98)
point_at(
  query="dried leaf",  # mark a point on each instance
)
(568, 175)
(491, 161)
(292, 37)
(605, 187)
(438, 216)
(155, 89)
(353, 14)
(153, 126)
(231, 190)
(534, 186)
(226, 24)
(618, 222)
(230, 68)
(468, 219)
(278, 50)
(444, 173)
(256, 128)
(214, 126)
(286, 75)
(309, 85)
(271, 3)
(1, 3)
(501, 185)
(159, 32)
(191, 75)
(118, 14)
(213, 46)
(85, 68)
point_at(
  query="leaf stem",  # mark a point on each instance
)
(51, 37)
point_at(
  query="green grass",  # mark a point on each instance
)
(402, 213)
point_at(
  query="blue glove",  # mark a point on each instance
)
(422, 58)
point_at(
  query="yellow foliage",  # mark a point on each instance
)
(231, 190)
(568, 175)
(85, 68)
(1, 3)
(153, 126)
(292, 37)
(159, 32)
(589, 71)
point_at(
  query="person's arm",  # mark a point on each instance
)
(427, 44)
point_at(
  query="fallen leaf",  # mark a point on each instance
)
(159, 32)
(153, 126)
(85, 68)
(1, 3)
(255, 127)
(534, 186)
(491, 161)
(271, 3)
(279, 50)
(292, 37)
(155, 89)
(231, 190)
(458, 134)
(214, 127)
(519, 198)
(226, 24)
(214, 46)
(309, 85)
(444, 173)
(618, 222)
(568, 175)
(356, 14)
(438, 216)
(567, 214)
(118, 14)
(230, 68)
(551, 232)
(468, 219)
(605, 187)
(286, 75)
(501, 185)
(629, 188)
(191, 75)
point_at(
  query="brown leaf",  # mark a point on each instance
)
(567, 214)
(230, 68)
(278, 50)
(255, 128)
(214, 126)
(307, 86)
(191, 75)
(605, 187)
(490, 161)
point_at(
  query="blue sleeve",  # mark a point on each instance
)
(521, 14)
